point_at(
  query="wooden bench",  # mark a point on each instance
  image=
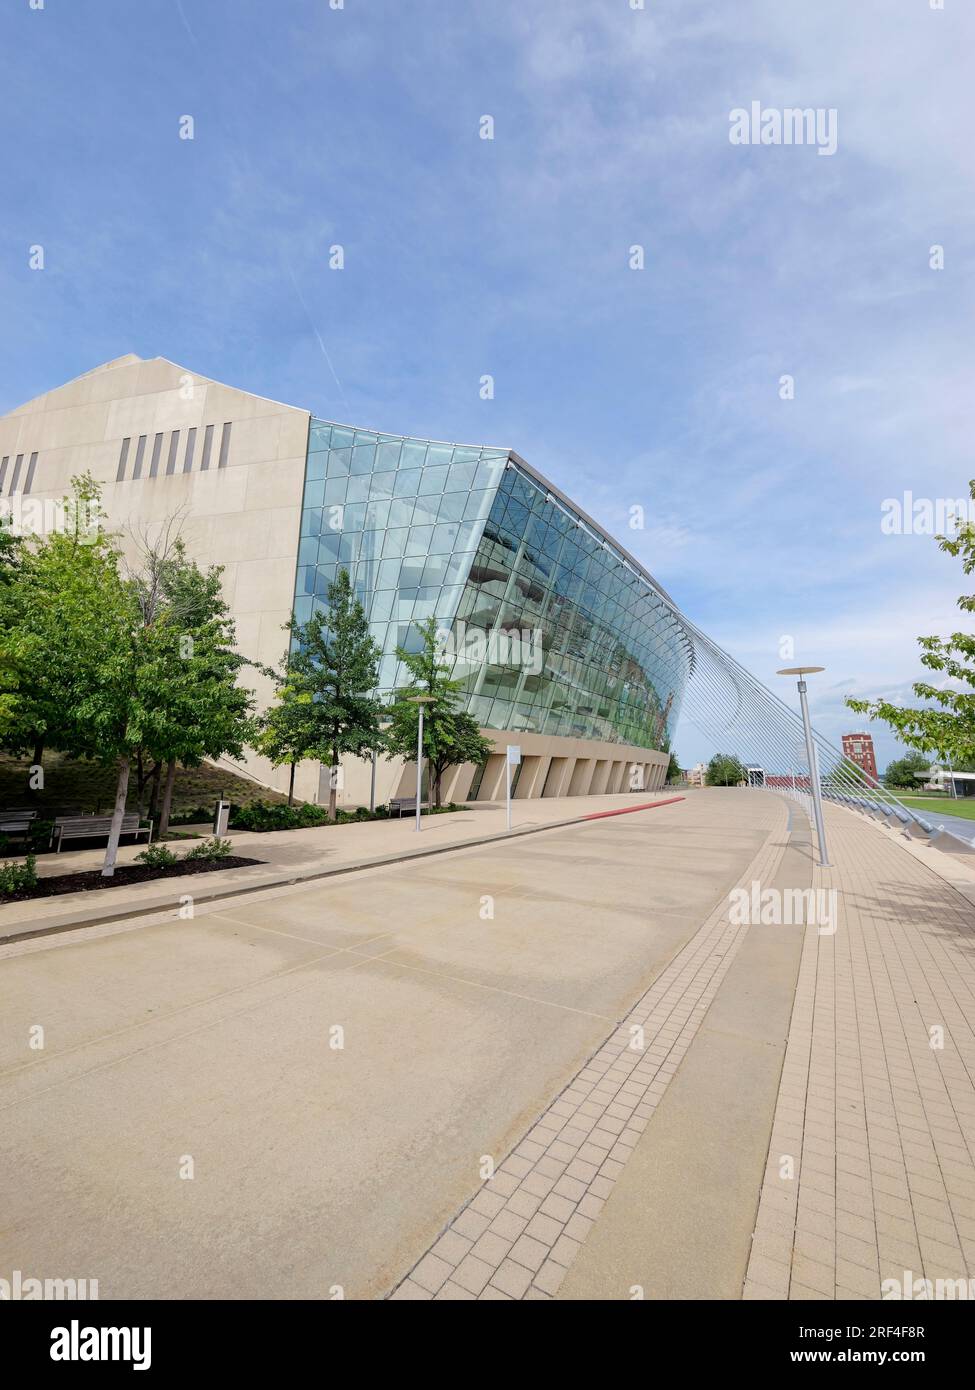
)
(96, 828)
(16, 824)
(399, 804)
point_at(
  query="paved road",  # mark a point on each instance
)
(207, 1045)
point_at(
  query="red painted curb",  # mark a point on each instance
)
(628, 810)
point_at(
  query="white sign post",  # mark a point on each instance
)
(221, 818)
(513, 759)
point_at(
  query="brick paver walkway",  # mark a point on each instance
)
(871, 1167)
(516, 1238)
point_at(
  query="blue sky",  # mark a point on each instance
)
(465, 257)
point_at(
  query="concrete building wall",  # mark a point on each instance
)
(245, 515)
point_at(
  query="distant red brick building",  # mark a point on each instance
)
(859, 749)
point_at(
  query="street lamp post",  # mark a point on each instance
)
(811, 758)
(420, 701)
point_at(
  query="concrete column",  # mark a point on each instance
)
(600, 776)
(582, 775)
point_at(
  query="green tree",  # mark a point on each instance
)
(900, 772)
(44, 580)
(725, 770)
(945, 725)
(673, 769)
(326, 706)
(342, 673)
(450, 736)
(286, 733)
(111, 663)
(191, 672)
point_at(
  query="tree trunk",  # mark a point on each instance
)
(167, 801)
(291, 786)
(37, 761)
(121, 792)
(436, 787)
(140, 783)
(332, 788)
(154, 790)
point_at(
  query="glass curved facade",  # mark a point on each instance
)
(550, 627)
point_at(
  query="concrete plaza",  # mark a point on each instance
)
(549, 1066)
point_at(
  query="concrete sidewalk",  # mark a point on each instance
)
(797, 1122)
(871, 1165)
(289, 856)
(469, 989)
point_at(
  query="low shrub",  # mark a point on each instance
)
(201, 815)
(264, 815)
(157, 857)
(14, 878)
(213, 848)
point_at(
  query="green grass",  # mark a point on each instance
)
(961, 806)
(80, 785)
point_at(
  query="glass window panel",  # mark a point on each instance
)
(305, 579)
(319, 437)
(387, 454)
(377, 516)
(478, 504)
(435, 570)
(395, 543)
(328, 548)
(443, 539)
(317, 466)
(411, 573)
(382, 484)
(439, 453)
(307, 551)
(339, 463)
(341, 438)
(433, 480)
(459, 568)
(334, 490)
(460, 478)
(311, 522)
(407, 482)
(452, 506)
(358, 489)
(388, 574)
(315, 493)
(348, 546)
(419, 541)
(426, 511)
(382, 604)
(303, 610)
(363, 458)
(401, 511)
(468, 535)
(488, 474)
(413, 454)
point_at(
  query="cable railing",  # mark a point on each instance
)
(744, 718)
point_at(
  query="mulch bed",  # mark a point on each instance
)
(91, 880)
